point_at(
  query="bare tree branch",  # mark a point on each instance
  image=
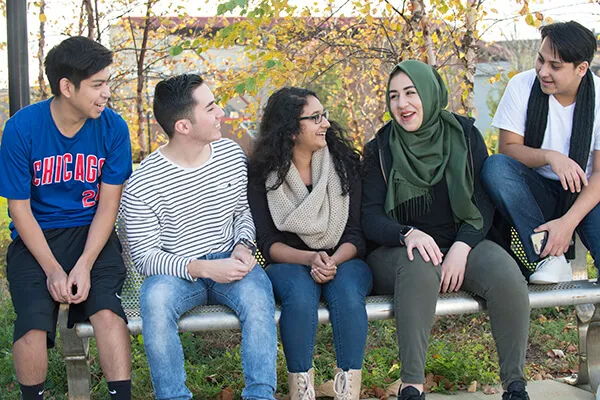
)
(41, 44)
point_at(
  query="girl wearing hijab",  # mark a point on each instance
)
(304, 192)
(426, 214)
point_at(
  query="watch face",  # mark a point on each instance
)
(405, 230)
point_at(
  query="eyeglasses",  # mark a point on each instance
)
(317, 117)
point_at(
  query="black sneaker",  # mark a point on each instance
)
(410, 393)
(516, 391)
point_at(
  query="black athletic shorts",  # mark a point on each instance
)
(34, 306)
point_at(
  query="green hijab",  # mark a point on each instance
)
(421, 158)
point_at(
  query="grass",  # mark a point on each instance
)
(4, 234)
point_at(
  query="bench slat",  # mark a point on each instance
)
(210, 318)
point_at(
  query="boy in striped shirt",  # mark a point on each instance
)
(191, 232)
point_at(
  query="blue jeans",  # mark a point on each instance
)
(345, 295)
(528, 200)
(165, 298)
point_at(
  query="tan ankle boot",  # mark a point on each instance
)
(302, 385)
(346, 384)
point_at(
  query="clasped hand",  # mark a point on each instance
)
(323, 267)
(70, 289)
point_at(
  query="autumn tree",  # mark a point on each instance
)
(90, 15)
(251, 47)
(143, 56)
(345, 59)
(140, 53)
(42, 89)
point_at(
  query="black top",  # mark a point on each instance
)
(267, 233)
(439, 222)
(383, 230)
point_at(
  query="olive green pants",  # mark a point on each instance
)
(490, 274)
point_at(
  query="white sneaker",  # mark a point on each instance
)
(552, 270)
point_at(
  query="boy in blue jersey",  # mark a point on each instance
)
(63, 163)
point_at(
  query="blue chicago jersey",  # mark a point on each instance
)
(60, 175)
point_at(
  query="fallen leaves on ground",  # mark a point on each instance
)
(556, 353)
(472, 387)
(379, 392)
(225, 394)
(487, 389)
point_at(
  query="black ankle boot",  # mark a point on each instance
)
(410, 393)
(516, 391)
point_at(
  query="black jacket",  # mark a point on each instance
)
(383, 229)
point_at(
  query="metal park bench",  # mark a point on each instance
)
(581, 293)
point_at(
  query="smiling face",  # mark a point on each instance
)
(405, 102)
(312, 136)
(206, 116)
(89, 100)
(557, 77)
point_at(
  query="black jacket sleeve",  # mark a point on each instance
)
(478, 154)
(377, 225)
(353, 232)
(266, 231)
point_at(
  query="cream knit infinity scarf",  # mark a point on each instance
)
(318, 217)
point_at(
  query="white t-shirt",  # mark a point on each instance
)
(512, 112)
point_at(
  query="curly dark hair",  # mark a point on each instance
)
(273, 149)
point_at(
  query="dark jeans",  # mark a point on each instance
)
(491, 274)
(528, 200)
(345, 295)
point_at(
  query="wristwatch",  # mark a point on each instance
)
(247, 244)
(404, 232)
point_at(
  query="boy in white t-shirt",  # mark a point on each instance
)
(547, 177)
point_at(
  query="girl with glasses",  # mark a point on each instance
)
(304, 193)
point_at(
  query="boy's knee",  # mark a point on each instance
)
(257, 289)
(158, 296)
(495, 167)
(259, 304)
(107, 318)
(32, 339)
(256, 301)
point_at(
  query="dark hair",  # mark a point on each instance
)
(273, 150)
(173, 100)
(76, 58)
(573, 42)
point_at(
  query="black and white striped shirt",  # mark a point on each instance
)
(174, 215)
